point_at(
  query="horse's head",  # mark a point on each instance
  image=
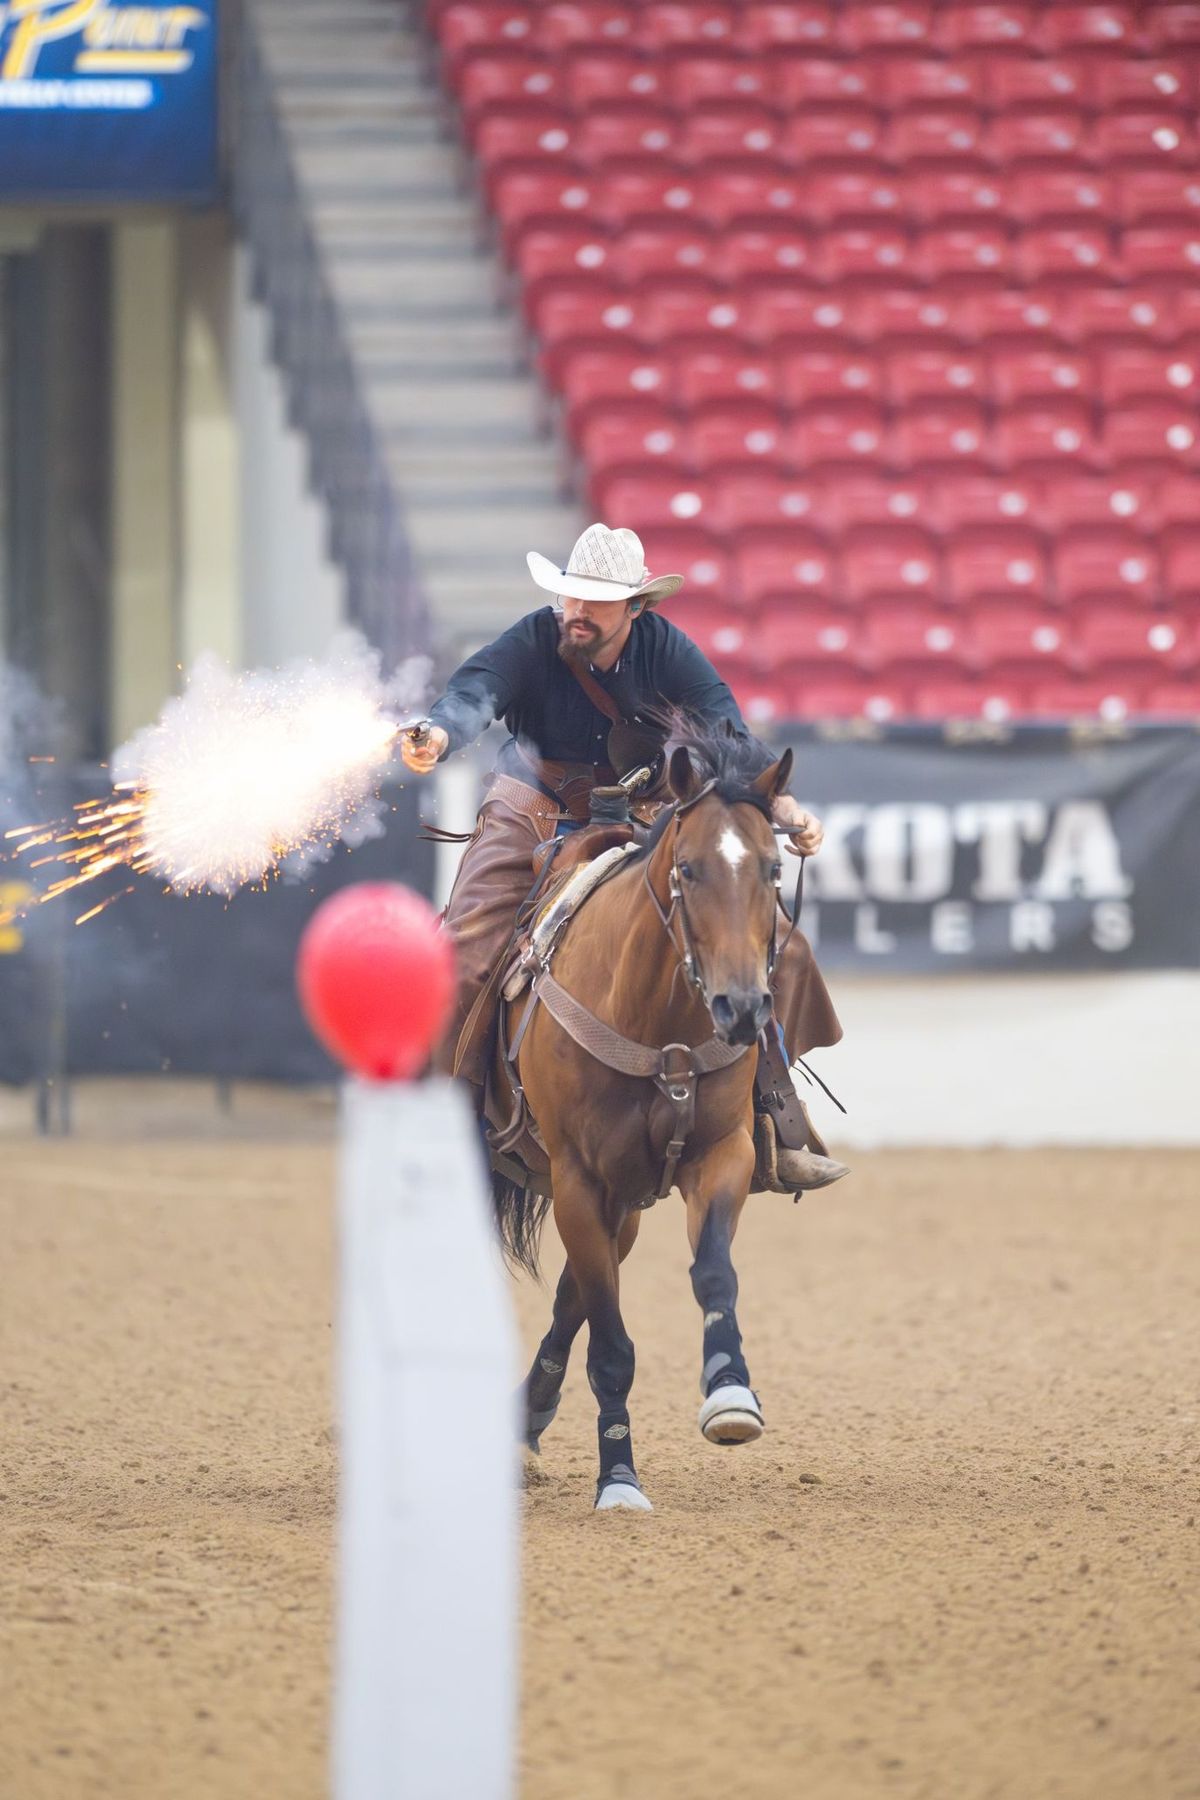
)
(724, 888)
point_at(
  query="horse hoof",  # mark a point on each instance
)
(731, 1415)
(622, 1495)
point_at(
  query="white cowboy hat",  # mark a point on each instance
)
(604, 565)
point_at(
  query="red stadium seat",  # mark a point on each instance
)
(1108, 700)
(1181, 564)
(783, 564)
(841, 196)
(869, 26)
(481, 25)
(624, 196)
(568, 320)
(967, 499)
(852, 252)
(1073, 195)
(765, 699)
(947, 135)
(920, 636)
(522, 198)
(1144, 371)
(692, 309)
(874, 499)
(1065, 252)
(950, 253)
(720, 632)
(652, 252)
(655, 500)
(1047, 136)
(906, 81)
(791, 631)
(818, 697)
(1147, 136)
(590, 380)
(849, 432)
(1062, 27)
(1045, 431)
(1067, 499)
(1154, 195)
(608, 77)
(1162, 252)
(1152, 430)
(624, 436)
(798, 81)
(988, 699)
(762, 497)
(695, 23)
(771, 315)
(491, 83)
(705, 565)
(939, 431)
(750, 255)
(634, 134)
(725, 133)
(933, 374)
(726, 372)
(1103, 565)
(996, 563)
(835, 132)
(1174, 699)
(571, 22)
(986, 316)
(1143, 81)
(1172, 500)
(697, 81)
(1031, 374)
(983, 27)
(1109, 635)
(1011, 631)
(803, 26)
(1165, 26)
(890, 562)
(819, 372)
(750, 194)
(967, 195)
(735, 433)
(1086, 314)
(548, 253)
(900, 313)
(1032, 81)
(503, 139)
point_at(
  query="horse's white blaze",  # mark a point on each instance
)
(733, 848)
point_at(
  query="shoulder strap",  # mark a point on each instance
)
(603, 702)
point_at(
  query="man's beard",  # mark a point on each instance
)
(571, 652)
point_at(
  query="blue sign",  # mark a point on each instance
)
(108, 101)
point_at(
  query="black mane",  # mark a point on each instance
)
(719, 754)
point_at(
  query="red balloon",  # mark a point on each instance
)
(376, 978)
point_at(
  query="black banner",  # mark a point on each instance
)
(1038, 849)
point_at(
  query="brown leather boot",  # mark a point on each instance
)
(778, 1170)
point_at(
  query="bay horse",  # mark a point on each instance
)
(674, 950)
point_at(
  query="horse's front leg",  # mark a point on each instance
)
(594, 1252)
(715, 1186)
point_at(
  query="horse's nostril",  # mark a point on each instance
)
(724, 1012)
(762, 1012)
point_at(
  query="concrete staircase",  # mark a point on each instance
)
(438, 355)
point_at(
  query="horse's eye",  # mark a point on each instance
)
(685, 869)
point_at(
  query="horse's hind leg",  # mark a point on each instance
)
(543, 1384)
(715, 1191)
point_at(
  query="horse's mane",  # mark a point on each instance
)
(720, 755)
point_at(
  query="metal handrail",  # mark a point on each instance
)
(326, 402)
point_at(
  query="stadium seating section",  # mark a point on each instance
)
(880, 321)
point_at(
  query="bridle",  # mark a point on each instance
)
(684, 944)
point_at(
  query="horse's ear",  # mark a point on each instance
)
(681, 773)
(774, 779)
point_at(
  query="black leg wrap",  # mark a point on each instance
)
(724, 1364)
(714, 1284)
(543, 1387)
(616, 1448)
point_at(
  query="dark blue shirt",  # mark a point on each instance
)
(521, 678)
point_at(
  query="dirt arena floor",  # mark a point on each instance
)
(963, 1563)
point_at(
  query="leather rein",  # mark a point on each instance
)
(676, 1069)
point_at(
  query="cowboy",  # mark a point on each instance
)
(567, 679)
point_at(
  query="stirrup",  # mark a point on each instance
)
(779, 1170)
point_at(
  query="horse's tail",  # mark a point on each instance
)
(520, 1215)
